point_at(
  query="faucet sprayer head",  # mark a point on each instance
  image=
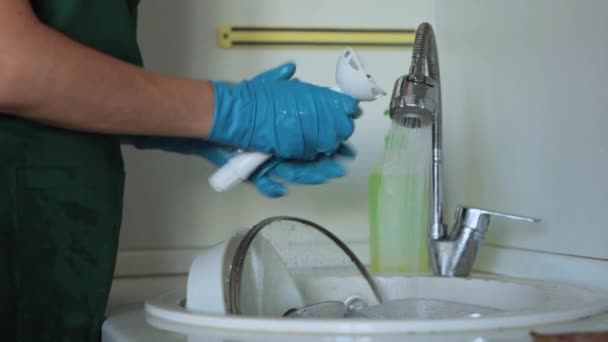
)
(415, 101)
(411, 119)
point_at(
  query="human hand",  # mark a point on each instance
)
(282, 116)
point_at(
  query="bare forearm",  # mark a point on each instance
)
(49, 78)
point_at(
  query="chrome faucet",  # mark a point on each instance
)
(416, 103)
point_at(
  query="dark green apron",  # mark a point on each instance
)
(61, 199)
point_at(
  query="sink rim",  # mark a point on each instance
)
(167, 308)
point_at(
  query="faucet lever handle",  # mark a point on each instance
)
(480, 218)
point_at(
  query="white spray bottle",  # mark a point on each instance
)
(351, 79)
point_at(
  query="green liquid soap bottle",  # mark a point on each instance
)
(399, 194)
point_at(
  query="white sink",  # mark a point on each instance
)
(429, 304)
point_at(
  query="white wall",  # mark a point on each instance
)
(526, 118)
(168, 201)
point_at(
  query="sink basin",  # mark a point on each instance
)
(418, 304)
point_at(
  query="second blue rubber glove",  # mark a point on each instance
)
(318, 171)
(283, 117)
(268, 177)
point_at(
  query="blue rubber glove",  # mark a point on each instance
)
(283, 117)
(317, 171)
(267, 177)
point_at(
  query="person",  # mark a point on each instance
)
(72, 86)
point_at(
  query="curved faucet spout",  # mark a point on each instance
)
(417, 100)
(425, 53)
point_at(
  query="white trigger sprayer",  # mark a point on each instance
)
(351, 80)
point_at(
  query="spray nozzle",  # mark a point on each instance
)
(352, 79)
